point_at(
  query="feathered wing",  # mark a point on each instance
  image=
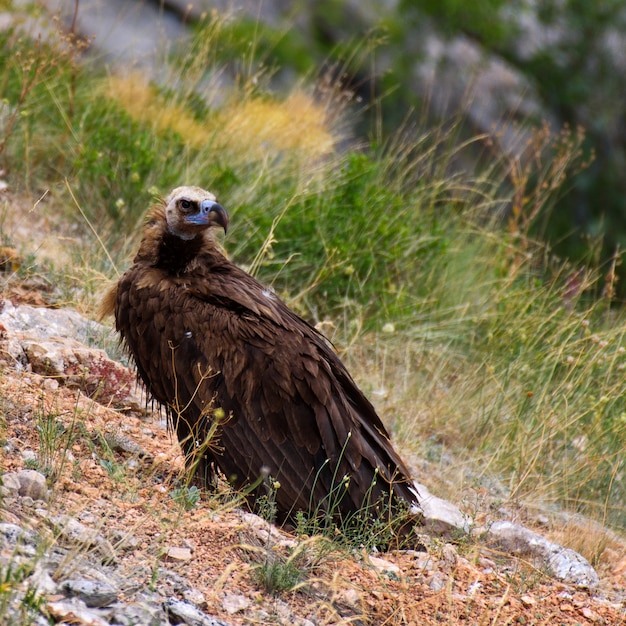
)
(216, 338)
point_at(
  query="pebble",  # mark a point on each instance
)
(90, 595)
(178, 554)
(32, 484)
(233, 603)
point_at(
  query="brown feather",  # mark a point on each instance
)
(206, 335)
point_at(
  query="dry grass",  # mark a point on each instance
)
(258, 126)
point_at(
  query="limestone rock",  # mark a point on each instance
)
(440, 516)
(233, 603)
(185, 613)
(52, 342)
(75, 611)
(73, 532)
(30, 483)
(563, 563)
(92, 593)
(175, 553)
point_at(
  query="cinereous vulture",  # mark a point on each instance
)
(213, 345)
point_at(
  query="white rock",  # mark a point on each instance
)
(194, 596)
(92, 592)
(233, 603)
(175, 553)
(440, 516)
(74, 611)
(73, 532)
(52, 342)
(382, 565)
(563, 563)
(11, 482)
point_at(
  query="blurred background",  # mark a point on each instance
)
(497, 64)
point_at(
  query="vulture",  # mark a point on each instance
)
(251, 389)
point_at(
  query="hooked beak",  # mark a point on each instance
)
(210, 214)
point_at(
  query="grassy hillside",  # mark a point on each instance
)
(471, 337)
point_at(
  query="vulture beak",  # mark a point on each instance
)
(210, 214)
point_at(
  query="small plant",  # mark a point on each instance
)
(55, 440)
(275, 573)
(23, 605)
(154, 578)
(114, 470)
(101, 447)
(32, 464)
(186, 497)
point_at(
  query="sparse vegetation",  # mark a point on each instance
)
(23, 607)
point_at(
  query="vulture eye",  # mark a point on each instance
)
(186, 204)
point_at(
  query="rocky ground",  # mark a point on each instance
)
(95, 529)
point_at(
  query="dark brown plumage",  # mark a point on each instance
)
(209, 341)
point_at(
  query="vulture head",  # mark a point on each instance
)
(191, 210)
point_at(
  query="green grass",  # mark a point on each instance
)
(23, 605)
(431, 286)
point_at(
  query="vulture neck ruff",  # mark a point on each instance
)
(162, 249)
(175, 253)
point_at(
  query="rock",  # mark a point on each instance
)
(50, 323)
(195, 597)
(562, 563)
(75, 611)
(51, 342)
(450, 556)
(92, 593)
(458, 75)
(266, 532)
(351, 597)
(134, 614)
(41, 580)
(32, 484)
(284, 612)
(382, 565)
(123, 541)
(75, 533)
(12, 535)
(423, 560)
(437, 582)
(11, 482)
(185, 613)
(29, 456)
(119, 29)
(28, 484)
(119, 442)
(175, 553)
(440, 516)
(233, 603)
